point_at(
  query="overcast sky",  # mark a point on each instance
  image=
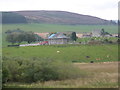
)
(106, 9)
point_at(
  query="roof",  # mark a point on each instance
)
(43, 35)
(57, 35)
(51, 36)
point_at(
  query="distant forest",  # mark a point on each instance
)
(12, 18)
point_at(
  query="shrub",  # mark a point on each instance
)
(38, 70)
(5, 75)
(10, 70)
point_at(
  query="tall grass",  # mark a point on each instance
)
(99, 75)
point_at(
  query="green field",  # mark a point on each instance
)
(78, 53)
(23, 63)
(102, 73)
(59, 28)
(55, 28)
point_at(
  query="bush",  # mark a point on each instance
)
(38, 70)
(10, 70)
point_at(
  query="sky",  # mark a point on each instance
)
(105, 9)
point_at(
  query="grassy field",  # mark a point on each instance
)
(96, 75)
(59, 28)
(99, 75)
(55, 28)
(78, 53)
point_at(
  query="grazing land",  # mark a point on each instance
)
(72, 53)
(55, 28)
(60, 66)
(59, 28)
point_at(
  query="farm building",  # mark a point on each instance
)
(79, 35)
(42, 35)
(96, 33)
(100, 33)
(86, 35)
(115, 35)
(58, 38)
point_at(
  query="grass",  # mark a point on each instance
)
(98, 39)
(71, 53)
(59, 28)
(55, 28)
(99, 75)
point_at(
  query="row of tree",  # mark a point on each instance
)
(103, 32)
(18, 36)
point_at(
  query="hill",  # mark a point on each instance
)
(12, 18)
(58, 17)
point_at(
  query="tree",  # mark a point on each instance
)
(29, 37)
(113, 22)
(16, 30)
(18, 36)
(8, 31)
(38, 38)
(73, 36)
(103, 33)
(10, 17)
(15, 37)
(11, 38)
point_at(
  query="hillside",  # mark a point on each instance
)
(59, 17)
(12, 18)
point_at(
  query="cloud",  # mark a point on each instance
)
(89, 7)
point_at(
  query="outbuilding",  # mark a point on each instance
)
(58, 38)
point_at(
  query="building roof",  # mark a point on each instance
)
(51, 36)
(43, 35)
(57, 35)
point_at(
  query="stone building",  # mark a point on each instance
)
(96, 33)
(58, 38)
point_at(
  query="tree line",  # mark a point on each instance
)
(18, 36)
(10, 17)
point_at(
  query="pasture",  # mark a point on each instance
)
(103, 73)
(70, 53)
(59, 28)
(55, 28)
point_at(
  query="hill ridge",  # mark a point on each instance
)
(60, 17)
